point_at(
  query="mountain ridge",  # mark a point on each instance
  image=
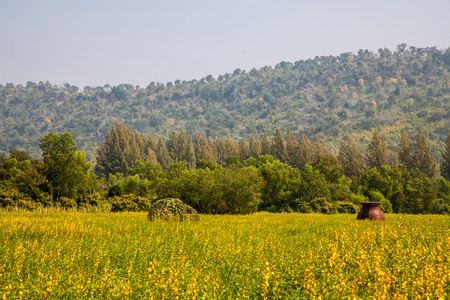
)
(331, 96)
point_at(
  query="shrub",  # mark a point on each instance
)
(321, 205)
(130, 202)
(10, 195)
(348, 208)
(89, 199)
(116, 190)
(29, 205)
(45, 199)
(122, 204)
(67, 202)
(376, 196)
(358, 198)
(6, 202)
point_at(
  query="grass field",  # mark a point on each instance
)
(260, 256)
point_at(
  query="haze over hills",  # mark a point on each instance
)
(350, 94)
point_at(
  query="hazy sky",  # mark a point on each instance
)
(93, 43)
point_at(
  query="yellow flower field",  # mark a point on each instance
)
(259, 256)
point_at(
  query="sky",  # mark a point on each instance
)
(94, 43)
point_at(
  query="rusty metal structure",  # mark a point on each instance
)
(371, 211)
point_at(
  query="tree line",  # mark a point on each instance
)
(280, 173)
(122, 147)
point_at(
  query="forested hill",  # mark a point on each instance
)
(350, 94)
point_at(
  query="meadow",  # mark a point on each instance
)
(260, 256)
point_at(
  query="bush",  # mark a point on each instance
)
(67, 202)
(45, 199)
(116, 190)
(10, 195)
(122, 204)
(321, 205)
(358, 198)
(348, 208)
(130, 202)
(376, 196)
(28, 205)
(6, 202)
(89, 199)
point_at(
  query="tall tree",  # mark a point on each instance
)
(231, 148)
(150, 150)
(405, 150)
(151, 156)
(291, 148)
(150, 142)
(392, 159)
(213, 150)
(319, 150)
(305, 152)
(182, 145)
(350, 158)
(120, 150)
(445, 165)
(163, 155)
(422, 157)
(244, 151)
(254, 147)
(190, 157)
(377, 155)
(64, 167)
(278, 148)
(208, 154)
(265, 145)
(175, 145)
(19, 155)
(198, 146)
(220, 146)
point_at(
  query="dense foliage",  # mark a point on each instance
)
(295, 176)
(329, 96)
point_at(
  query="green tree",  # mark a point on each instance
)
(291, 148)
(445, 165)
(265, 145)
(163, 155)
(280, 181)
(65, 168)
(376, 152)
(319, 150)
(177, 145)
(311, 186)
(405, 150)
(373, 179)
(118, 153)
(305, 152)
(230, 148)
(350, 158)
(329, 166)
(240, 188)
(173, 145)
(190, 157)
(244, 151)
(19, 155)
(278, 148)
(422, 156)
(254, 147)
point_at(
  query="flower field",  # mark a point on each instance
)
(259, 256)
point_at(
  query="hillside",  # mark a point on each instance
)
(350, 94)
